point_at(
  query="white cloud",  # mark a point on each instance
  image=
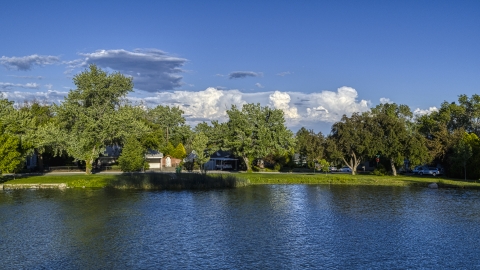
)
(27, 62)
(312, 110)
(385, 101)
(420, 112)
(284, 73)
(308, 109)
(49, 97)
(7, 86)
(152, 70)
(259, 85)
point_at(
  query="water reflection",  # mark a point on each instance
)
(257, 227)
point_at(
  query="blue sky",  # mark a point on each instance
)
(316, 60)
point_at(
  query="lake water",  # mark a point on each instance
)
(257, 227)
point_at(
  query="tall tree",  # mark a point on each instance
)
(199, 144)
(96, 114)
(10, 153)
(170, 120)
(309, 145)
(352, 140)
(397, 138)
(255, 132)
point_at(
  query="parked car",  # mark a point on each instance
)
(417, 169)
(332, 169)
(430, 171)
(345, 169)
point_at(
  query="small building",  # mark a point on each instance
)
(154, 159)
(222, 160)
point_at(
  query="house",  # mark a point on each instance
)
(109, 156)
(222, 160)
(154, 159)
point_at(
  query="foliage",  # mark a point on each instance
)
(352, 140)
(133, 156)
(199, 144)
(309, 145)
(324, 165)
(10, 155)
(179, 151)
(397, 138)
(96, 114)
(255, 132)
(168, 150)
(171, 121)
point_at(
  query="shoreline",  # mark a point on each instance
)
(171, 180)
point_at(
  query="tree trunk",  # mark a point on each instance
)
(245, 159)
(88, 166)
(40, 162)
(394, 171)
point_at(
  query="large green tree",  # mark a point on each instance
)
(199, 144)
(396, 136)
(255, 132)
(11, 157)
(309, 145)
(352, 140)
(96, 114)
(171, 122)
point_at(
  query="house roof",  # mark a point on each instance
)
(153, 154)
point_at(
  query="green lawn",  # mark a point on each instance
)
(102, 180)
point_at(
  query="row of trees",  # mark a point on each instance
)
(97, 114)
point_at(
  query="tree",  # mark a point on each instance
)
(255, 132)
(309, 145)
(96, 114)
(397, 137)
(199, 144)
(133, 156)
(10, 156)
(324, 165)
(179, 152)
(352, 140)
(170, 120)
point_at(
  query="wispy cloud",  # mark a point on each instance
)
(152, 70)
(8, 86)
(284, 73)
(244, 74)
(27, 62)
(27, 77)
(259, 85)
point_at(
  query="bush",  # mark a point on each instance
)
(380, 170)
(277, 166)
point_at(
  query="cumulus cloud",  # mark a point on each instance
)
(244, 74)
(259, 85)
(312, 110)
(284, 73)
(420, 112)
(27, 62)
(152, 70)
(49, 97)
(385, 101)
(7, 86)
(308, 109)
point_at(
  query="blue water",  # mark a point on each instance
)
(257, 227)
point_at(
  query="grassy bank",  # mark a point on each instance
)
(197, 181)
(360, 180)
(153, 181)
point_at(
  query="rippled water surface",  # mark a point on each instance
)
(257, 227)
